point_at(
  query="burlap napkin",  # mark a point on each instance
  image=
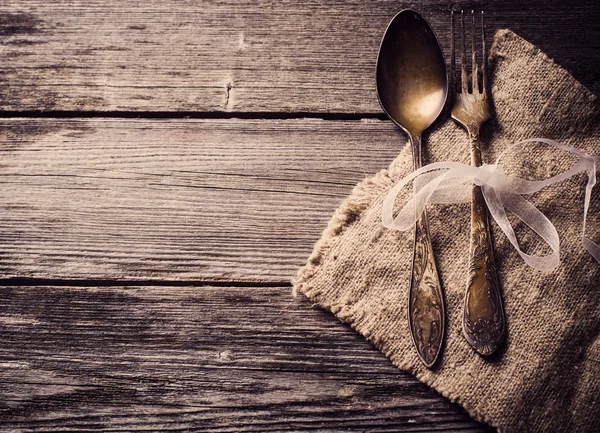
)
(546, 378)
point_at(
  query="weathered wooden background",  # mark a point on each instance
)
(166, 167)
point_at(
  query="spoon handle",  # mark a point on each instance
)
(426, 315)
(483, 315)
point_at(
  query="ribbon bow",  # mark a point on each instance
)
(444, 182)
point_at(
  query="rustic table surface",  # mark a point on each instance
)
(166, 168)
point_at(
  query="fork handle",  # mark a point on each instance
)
(483, 314)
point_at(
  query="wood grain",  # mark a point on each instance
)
(241, 55)
(207, 359)
(106, 200)
(210, 200)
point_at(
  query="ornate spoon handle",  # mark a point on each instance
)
(426, 315)
(483, 318)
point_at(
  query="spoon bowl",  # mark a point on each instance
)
(412, 83)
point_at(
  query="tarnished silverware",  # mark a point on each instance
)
(483, 314)
(412, 87)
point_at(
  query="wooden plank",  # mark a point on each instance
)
(220, 359)
(218, 200)
(241, 55)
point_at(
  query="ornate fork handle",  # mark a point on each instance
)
(483, 320)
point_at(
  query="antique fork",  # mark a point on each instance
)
(483, 315)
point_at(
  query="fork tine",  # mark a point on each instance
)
(484, 58)
(463, 56)
(474, 80)
(452, 57)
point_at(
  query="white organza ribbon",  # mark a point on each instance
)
(450, 182)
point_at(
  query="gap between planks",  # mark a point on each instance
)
(169, 115)
(44, 282)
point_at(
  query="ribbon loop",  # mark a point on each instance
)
(448, 182)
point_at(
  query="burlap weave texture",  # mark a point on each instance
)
(546, 378)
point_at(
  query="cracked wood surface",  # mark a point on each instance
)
(241, 55)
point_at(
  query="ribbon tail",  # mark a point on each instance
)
(530, 215)
(592, 247)
(585, 163)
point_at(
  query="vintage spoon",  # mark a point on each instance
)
(412, 87)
